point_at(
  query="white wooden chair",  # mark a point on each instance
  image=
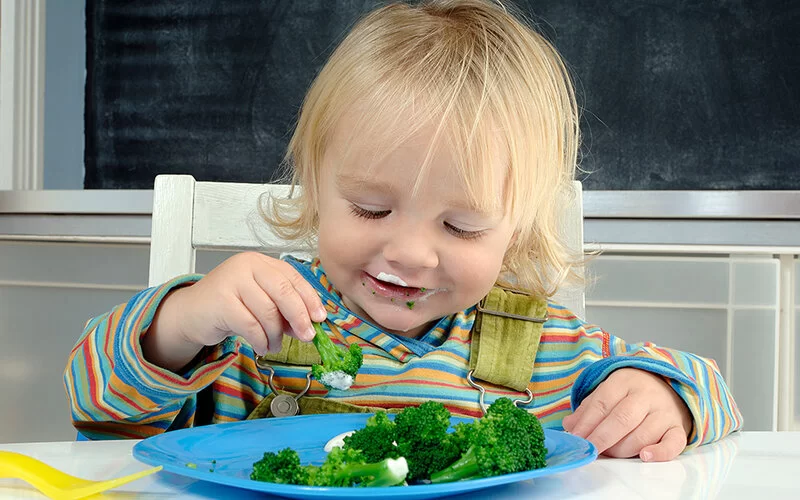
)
(188, 215)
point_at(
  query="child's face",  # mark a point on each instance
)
(374, 236)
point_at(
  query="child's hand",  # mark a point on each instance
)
(633, 412)
(251, 295)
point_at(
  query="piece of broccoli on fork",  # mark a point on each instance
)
(339, 365)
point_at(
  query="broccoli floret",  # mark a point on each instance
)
(339, 366)
(506, 440)
(349, 467)
(422, 438)
(282, 467)
(341, 468)
(376, 440)
(462, 436)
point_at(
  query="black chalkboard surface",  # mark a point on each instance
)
(677, 94)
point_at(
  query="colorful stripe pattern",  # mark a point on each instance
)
(115, 393)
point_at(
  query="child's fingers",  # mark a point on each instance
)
(594, 409)
(649, 432)
(626, 416)
(670, 446)
(241, 321)
(264, 310)
(307, 292)
(284, 293)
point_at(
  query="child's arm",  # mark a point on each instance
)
(696, 380)
(138, 369)
(251, 295)
(114, 392)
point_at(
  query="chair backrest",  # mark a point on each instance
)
(188, 215)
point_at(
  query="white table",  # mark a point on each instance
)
(746, 465)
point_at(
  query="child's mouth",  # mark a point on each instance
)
(392, 291)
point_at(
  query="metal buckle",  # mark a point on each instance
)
(283, 405)
(481, 398)
(504, 314)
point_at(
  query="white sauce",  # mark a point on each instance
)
(391, 278)
(337, 380)
(337, 441)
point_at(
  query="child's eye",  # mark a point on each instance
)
(368, 214)
(462, 233)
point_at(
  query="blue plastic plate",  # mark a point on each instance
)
(224, 454)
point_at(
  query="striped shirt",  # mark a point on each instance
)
(115, 393)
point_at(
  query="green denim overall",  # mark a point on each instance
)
(504, 318)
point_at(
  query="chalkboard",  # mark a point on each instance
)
(675, 94)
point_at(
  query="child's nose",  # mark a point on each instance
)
(411, 247)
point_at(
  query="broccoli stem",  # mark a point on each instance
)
(328, 352)
(339, 365)
(463, 468)
(387, 472)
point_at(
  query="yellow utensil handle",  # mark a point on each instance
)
(54, 483)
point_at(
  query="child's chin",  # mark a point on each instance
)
(395, 319)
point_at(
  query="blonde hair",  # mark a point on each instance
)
(478, 74)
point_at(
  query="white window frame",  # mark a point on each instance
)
(22, 54)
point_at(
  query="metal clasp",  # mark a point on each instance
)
(283, 405)
(481, 398)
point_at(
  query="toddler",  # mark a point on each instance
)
(432, 152)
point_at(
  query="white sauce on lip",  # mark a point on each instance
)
(390, 278)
